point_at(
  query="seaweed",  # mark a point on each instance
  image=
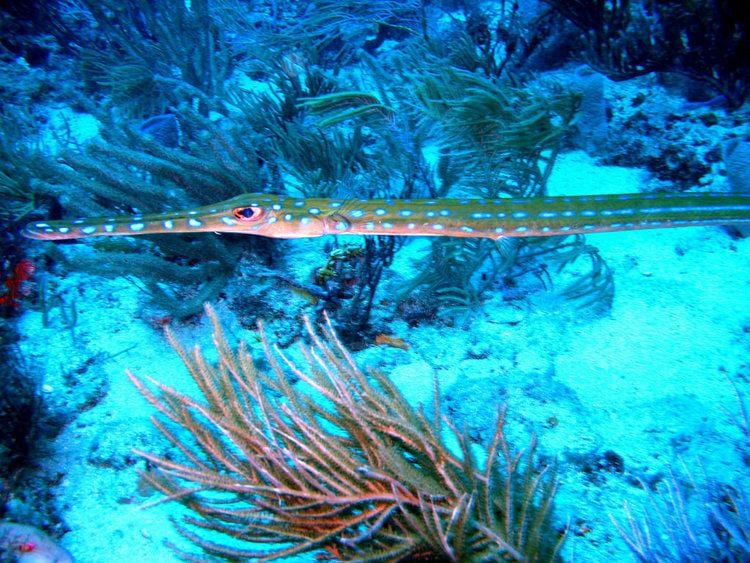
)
(459, 274)
(127, 172)
(18, 158)
(500, 39)
(496, 140)
(323, 164)
(335, 33)
(311, 130)
(342, 106)
(508, 136)
(267, 469)
(157, 53)
(592, 285)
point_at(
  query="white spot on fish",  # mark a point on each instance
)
(228, 221)
(63, 230)
(109, 228)
(406, 213)
(313, 211)
(430, 214)
(288, 216)
(387, 225)
(194, 223)
(445, 212)
(467, 229)
(276, 206)
(168, 224)
(547, 214)
(370, 226)
(299, 203)
(411, 226)
(438, 227)
(133, 227)
(342, 226)
(499, 230)
(334, 204)
(520, 215)
(588, 213)
(304, 221)
(41, 225)
(380, 212)
(521, 229)
(357, 213)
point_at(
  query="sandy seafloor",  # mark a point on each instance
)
(647, 380)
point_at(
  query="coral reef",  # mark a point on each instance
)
(225, 104)
(705, 40)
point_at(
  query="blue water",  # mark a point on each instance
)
(622, 356)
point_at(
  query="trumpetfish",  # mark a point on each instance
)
(283, 216)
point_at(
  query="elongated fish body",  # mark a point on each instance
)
(279, 216)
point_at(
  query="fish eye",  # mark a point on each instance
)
(249, 213)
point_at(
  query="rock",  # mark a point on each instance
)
(26, 544)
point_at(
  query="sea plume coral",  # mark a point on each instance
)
(338, 462)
